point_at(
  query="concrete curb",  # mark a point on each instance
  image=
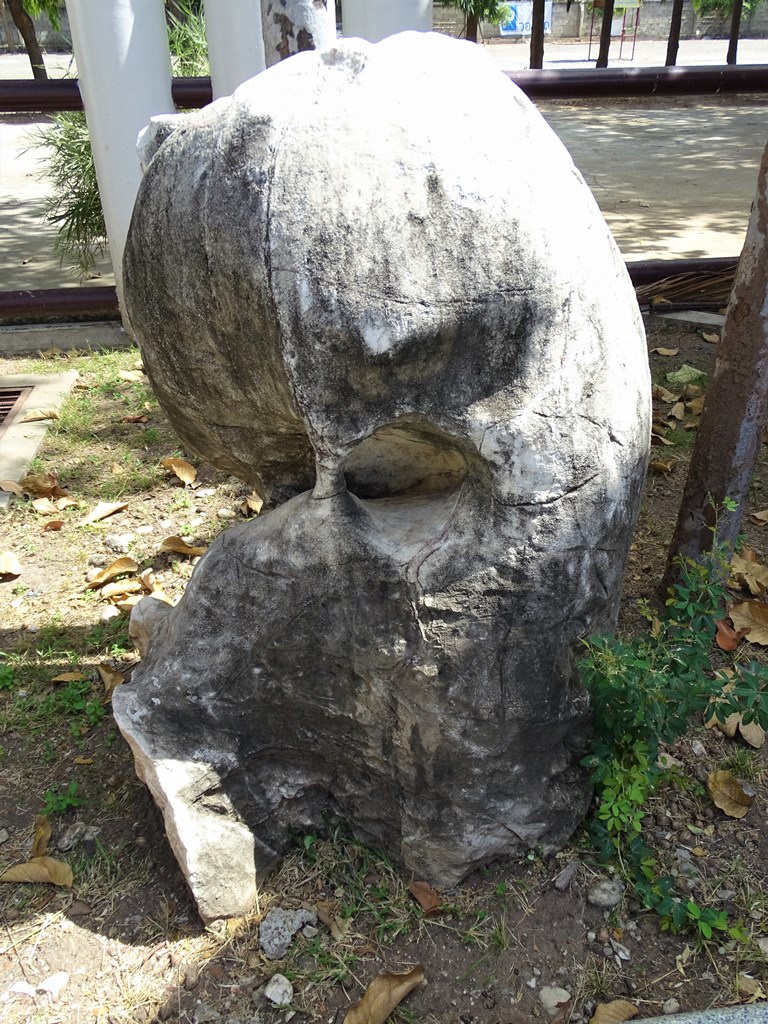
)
(729, 1015)
(20, 441)
(33, 338)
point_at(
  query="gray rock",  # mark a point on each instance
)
(553, 998)
(119, 542)
(424, 356)
(4, 836)
(279, 990)
(605, 894)
(278, 928)
(671, 1006)
(97, 560)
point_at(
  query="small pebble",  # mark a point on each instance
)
(109, 613)
(4, 836)
(698, 748)
(671, 1006)
(97, 559)
(279, 991)
(225, 513)
(605, 894)
(591, 936)
(143, 530)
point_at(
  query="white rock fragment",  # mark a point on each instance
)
(278, 928)
(54, 984)
(279, 991)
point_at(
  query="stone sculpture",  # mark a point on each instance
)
(372, 284)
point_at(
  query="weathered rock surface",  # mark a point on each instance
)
(278, 928)
(369, 285)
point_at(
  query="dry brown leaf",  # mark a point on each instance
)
(759, 518)
(426, 897)
(751, 615)
(33, 415)
(53, 524)
(661, 465)
(44, 506)
(677, 411)
(747, 572)
(120, 588)
(252, 505)
(749, 986)
(65, 502)
(615, 1012)
(68, 677)
(117, 568)
(382, 996)
(9, 564)
(82, 760)
(40, 869)
(130, 602)
(339, 927)
(12, 486)
(42, 485)
(102, 510)
(41, 836)
(180, 547)
(728, 794)
(712, 338)
(695, 406)
(727, 638)
(132, 376)
(139, 418)
(111, 679)
(665, 351)
(657, 439)
(753, 734)
(662, 395)
(184, 470)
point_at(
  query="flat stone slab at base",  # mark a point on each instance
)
(414, 333)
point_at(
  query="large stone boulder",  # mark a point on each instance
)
(372, 282)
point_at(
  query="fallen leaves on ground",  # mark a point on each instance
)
(42, 485)
(9, 564)
(53, 524)
(661, 465)
(339, 927)
(382, 996)
(34, 415)
(184, 470)
(728, 794)
(759, 518)
(429, 901)
(12, 487)
(665, 351)
(748, 572)
(615, 1012)
(751, 615)
(117, 568)
(40, 869)
(102, 510)
(139, 418)
(132, 376)
(41, 836)
(677, 411)
(68, 677)
(180, 547)
(111, 679)
(252, 505)
(750, 987)
(711, 337)
(727, 638)
(662, 395)
(685, 375)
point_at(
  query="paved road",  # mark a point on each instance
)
(672, 180)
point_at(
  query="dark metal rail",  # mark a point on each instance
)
(63, 94)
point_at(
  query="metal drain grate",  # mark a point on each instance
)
(11, 400)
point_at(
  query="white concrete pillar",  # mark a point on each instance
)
(375, 19)
(124, 71)
(235, 43)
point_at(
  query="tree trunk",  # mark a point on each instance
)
(729, 436)
(290, 26)
(472, 26)
(537, 34)
(733, 39)
(26, 28)
(605, 34)
(674, 33)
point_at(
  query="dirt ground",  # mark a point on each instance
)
(124, 943)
